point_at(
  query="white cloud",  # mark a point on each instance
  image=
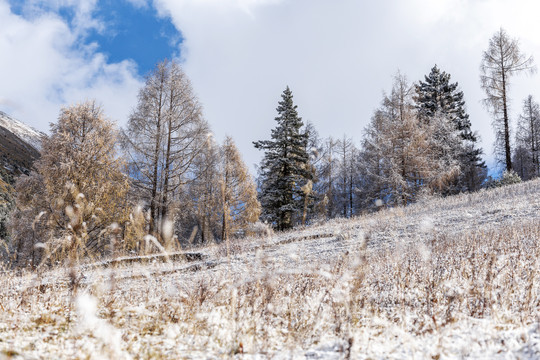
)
(82, 21)
(44, 66)
(337, 56)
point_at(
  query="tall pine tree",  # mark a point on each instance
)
(436, 96)
(284, 169)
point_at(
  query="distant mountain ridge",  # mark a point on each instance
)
(20, 145)
(25, 132)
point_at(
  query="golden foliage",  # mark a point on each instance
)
(238, 192)
(78, 189)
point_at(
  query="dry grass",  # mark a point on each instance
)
(427, 281)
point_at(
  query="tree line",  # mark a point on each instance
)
(419, 141)
(100, 190)
(163, 181)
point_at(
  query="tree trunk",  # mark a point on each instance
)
(164, 205)
(225, 200)
(224, 227)
(507, 150)
(533, 139)
(154, 206)
(350, 194)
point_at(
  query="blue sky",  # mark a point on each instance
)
(338, 57)
(135, 33)
(129, 31)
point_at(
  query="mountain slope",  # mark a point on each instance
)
(21, 130)
(19, 145)
(453, 277)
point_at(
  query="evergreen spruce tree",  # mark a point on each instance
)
(284, 169)
(436, 96)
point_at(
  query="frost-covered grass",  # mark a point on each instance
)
(445, 278)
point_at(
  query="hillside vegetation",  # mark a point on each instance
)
(16, 155)
(19, 145)
(448, 277)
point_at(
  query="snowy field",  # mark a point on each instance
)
(444, 278)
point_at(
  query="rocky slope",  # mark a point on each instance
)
(19, 145)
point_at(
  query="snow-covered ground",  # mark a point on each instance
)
(443, 278)
(23, 131)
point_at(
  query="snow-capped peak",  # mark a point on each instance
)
(23, 131)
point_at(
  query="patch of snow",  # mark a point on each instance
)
(23, 131)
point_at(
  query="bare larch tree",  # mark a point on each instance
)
(526, 159)
(164, 135)
(502, 60)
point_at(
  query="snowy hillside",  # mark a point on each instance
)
(444, 278)
(23, 131)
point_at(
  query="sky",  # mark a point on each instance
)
(337, 56)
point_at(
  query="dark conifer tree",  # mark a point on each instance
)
(437, 96)
(284, 169)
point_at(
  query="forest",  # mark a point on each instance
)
(163, 182)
